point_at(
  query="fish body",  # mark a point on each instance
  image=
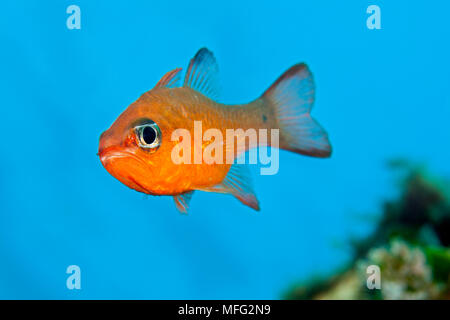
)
(158, 114)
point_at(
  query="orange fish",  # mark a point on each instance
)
(139, 146)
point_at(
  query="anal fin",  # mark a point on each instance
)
(238, 183)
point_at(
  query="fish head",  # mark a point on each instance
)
(137, 148)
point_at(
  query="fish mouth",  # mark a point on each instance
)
(113, 153)
(109, 157)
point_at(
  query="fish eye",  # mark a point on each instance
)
(148, 135)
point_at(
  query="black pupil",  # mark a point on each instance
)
(149, 135)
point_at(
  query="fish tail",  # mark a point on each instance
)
(291, 98)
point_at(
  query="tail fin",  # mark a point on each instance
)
(292, 97)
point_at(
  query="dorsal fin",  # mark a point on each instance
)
(238, 183)
(170, 80)
(202, 74)
(182, 201)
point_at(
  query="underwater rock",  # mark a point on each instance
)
(405, 272)
(410, 243)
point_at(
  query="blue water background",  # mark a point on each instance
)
(380, 94)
